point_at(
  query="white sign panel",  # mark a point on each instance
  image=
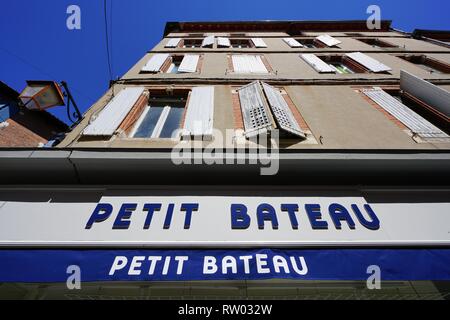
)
(216, 221)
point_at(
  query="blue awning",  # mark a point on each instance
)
(37, 265)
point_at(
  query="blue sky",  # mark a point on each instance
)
(37, 45)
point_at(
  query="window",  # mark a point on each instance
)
(354, 62)
(175, 63)
(172, 43)
(243, 63)
(377, 43)
(342, 64)
(264, 108)
(191, 43)
(241, 43)
(328, 41)
(161, 118)
(427, 63)
(310, 43)
(169, 110)
(408, 113)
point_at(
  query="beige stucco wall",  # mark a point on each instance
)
(338, 114)
(288, 66)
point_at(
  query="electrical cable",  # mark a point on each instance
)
(107, 39)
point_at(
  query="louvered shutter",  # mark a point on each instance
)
(328, 40)
(405, 115)
(223, 42)
(259, 43)
(248, 64)
(281, 111)
(293, 43)
(155, 63)
(317, 63)
(112, 115)
(189, 63)
(436, 97)
(208, 41)
(200, 112)
(173, 43)
(255, 114)
(368, 62)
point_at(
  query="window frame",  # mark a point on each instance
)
(384, 44)
(248, 40)
(264, 60)
(198, 41)
(352, 65)
(440, 66)
(285, 140)
(421, 108)
(133, 122)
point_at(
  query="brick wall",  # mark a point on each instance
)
(16, 135)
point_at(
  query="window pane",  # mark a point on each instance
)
(149, 122)
(175, 68)
(173, 121)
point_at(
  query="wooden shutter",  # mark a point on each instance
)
(112, 115)
(254, 111)
(223, 42)
(200, 112)
(281, 111)
(368, 62)
(189, 63)
(248, 64)
(317, 63)
(328, 40)
(436, 97)
(173, 43)
(208, 41)
(155, 63)
(405, 115)
(293, 43)
(259, 43)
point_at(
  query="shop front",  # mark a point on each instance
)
(224, 242)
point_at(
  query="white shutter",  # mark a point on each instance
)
(208, 41)
(200, 112)
(248, 64)
(317, 63)
(436, 97)
(189, 63)
(281, 111)
(112, 115)
(405, 115)
(368, 62)
(293, 43)
(259, 43)
(223, 42)
(254, 113)
(173, 43)
(328, 40)
(155, 63)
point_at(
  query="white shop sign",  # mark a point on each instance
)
(214, 221)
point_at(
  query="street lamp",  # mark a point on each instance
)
(42, 94)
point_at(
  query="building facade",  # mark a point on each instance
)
(242, 160)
